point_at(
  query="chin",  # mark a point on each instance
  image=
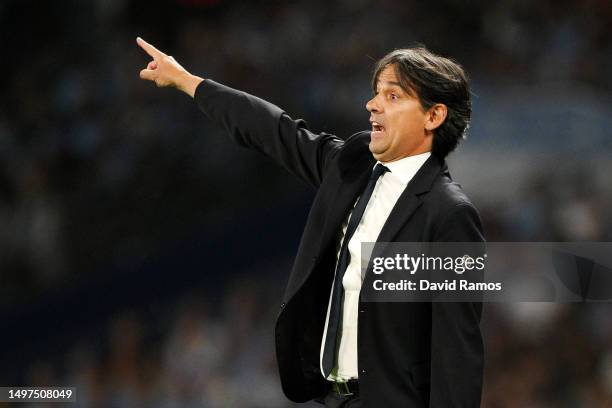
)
(376, 150)
(377, 156)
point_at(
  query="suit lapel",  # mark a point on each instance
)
(410, 199)
(355, 168)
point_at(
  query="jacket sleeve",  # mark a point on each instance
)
(262, 126)
(457, 351)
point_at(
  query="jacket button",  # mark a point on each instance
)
(282, 305)
(363, 371)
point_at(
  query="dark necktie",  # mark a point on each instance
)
(331, 338)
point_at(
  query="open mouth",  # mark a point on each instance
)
(377, 127)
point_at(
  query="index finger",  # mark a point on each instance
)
(149, 49)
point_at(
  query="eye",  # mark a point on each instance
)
(393, 96)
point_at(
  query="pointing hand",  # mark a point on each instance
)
(165, 71)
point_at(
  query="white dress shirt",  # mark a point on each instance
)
(388, 189)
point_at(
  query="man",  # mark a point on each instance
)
(390, 184)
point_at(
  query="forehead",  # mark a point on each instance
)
(388, 74)
(388, 77)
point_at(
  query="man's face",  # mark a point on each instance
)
(398, 120)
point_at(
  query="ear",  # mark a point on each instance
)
(435, 116)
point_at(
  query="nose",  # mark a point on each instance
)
(373, 106)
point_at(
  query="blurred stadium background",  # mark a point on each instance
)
(140, 257)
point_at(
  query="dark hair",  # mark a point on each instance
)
(434, 79)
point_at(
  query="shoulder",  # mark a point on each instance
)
(357, 143)
(354, 154)
(447, 194)
(456, 217)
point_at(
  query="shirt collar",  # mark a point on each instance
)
(405, 169)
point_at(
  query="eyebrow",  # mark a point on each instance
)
(410, 91)
(392, 83)
(389, 83)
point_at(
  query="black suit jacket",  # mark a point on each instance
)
(409, 354)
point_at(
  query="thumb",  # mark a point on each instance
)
(147, 74)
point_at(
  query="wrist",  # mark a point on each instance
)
(190, 83)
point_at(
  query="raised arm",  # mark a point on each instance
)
(250, 121)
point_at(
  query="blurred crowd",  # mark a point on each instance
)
(206, 350)
(200, 353)
(98, 168)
